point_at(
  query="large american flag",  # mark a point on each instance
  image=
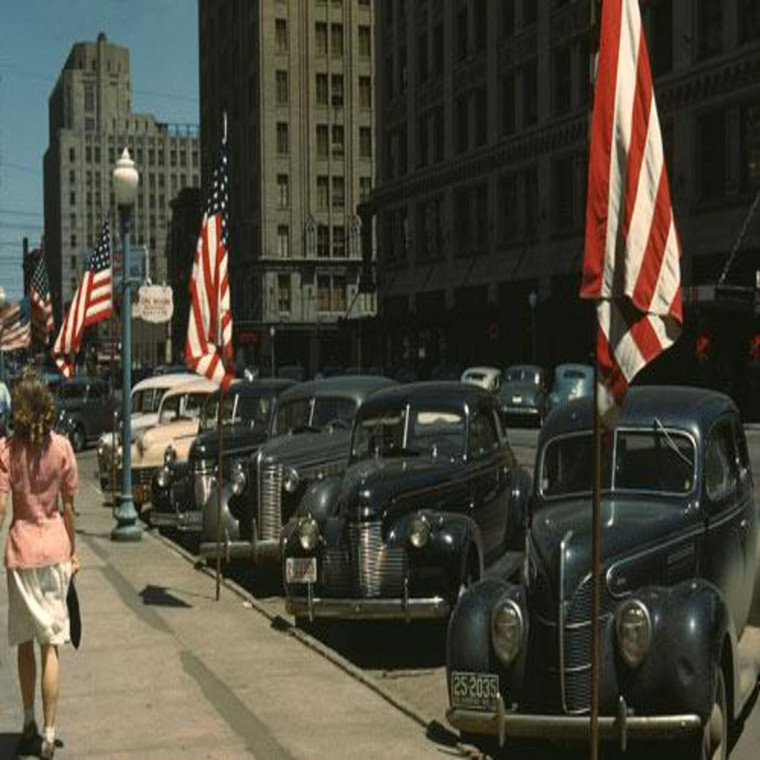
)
(92, 302)
(208, 349)
(40, 300)
(15, 330)
(632, 252)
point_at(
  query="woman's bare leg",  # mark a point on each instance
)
(49, 683)
(27, 673)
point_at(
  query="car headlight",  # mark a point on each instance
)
(101, 449)
(119, 452)
(506, 630)
(290, 480)
(164, 477)
(238, 478)
(419, 531)
(633, 627)
(170, 455)
(308, 533)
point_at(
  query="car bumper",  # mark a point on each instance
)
(619, 728)
(528, 411)
(240, 549)
(184, 521)
(408, 609)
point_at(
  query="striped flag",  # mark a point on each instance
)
(15, 329)
(40, 300)
(92, 302)
(208, 349)
(632, 253)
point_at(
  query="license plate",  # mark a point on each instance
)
(301, 570)
(517, 399)
(474, 691)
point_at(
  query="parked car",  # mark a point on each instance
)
(522, 395)
(485, 377)
(310, 438)
(145, 400)
(84, 410)
(432, 495)
(180, 488)
(571, 381)
(177, 425)
(678, 559)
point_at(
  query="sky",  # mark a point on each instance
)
(36, 37)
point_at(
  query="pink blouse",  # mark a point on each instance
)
(34, 477)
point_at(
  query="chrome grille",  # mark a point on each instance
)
(204, 480)
(143, 476)
(377, 569)
(270, 501)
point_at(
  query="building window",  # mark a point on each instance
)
(462, 33)
(339, 242)
(481, 116)
(323, 192)
(659, 15)
(320, 32)
(282, 138)
(438, 50)
(322, 89)
(336, 40)
(749, 20)
(402, 72)
(283, 241)
(562, 81)
(462, 226)
(422, 141)
(323, 140)
(281, 35)
(337, 139)
(283, 190)
(365, 188)
(336, 88)
(750, 146)
(508, 103)
(339, 192)
(282, 88)
(710, 27)
(507, 18)
(72, 154)
(563, 193)
(529, 12)
(323, 292)
(73, 198)
(422, 57)
(365, 92)
(508, 208)
(283, 293)
(365, 142)
(461, 126)
(73, 240)
(338, 301)
(323, 241)
(481, 217)
(438, 141)
(365, 42)
(530, 93)
(480, 24)
(711, 155)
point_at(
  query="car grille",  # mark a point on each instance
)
(270, 501)
(204, 481)
(364, 565)
(143, 476)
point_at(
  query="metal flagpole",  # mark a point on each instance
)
(219, 485)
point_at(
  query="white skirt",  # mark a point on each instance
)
(37, 604)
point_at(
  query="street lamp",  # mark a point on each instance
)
(125, 179)
(532, 301)
(272, 332)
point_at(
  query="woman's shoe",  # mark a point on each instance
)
(29, 744)
(47, 750)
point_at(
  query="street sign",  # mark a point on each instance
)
(155, 303)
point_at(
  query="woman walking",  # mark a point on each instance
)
(36, 465)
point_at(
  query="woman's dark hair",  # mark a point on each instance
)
(33, 410)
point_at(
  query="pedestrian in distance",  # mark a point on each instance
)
(36, 465)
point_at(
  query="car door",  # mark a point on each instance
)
(489, 492)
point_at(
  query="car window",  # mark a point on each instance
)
(654, 461)
(253, 409)
(379, 435)
(292, 415)
(331, 410)
(439, 433)
(169, 409)
(483, 437)
(720, 464)
(193, 404)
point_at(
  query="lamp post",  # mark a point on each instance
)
(532, 301)
(125, 179)
(272, 333)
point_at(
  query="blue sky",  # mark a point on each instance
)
(36, 37)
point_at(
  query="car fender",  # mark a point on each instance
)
(230, 524)
(690, 623)
(320, 500)
(518, 512)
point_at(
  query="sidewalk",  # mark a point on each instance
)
(165, 671)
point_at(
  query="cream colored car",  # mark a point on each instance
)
(177, 426)
(146, 399)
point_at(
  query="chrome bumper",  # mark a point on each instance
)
(240, 549)
(369, 609)
(186, 521)
(620, 727)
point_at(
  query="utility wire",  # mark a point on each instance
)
(19, 212)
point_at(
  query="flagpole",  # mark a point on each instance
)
(219, 486)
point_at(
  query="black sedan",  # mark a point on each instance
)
(432, 495)
(522, 396)
(678, 558)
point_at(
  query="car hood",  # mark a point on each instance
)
(150, 445)
(628, 525)
(236, 439)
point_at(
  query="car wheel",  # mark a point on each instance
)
(77, 438)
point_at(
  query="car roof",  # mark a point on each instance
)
(681, 407)
(198, 385)
(446, 394)
(357, 387)
(259, 386)
(585, 368)
(524, 368)
(169, 380)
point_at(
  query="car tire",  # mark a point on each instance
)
(77, 438)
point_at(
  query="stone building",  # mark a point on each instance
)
(91, 121)
(482, 115)
(296, 80)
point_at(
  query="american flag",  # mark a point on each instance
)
(92, 302)
(40, 300)
(632, 252)
(15, 330)
(209, 329)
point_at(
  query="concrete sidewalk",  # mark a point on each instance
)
(165, 671)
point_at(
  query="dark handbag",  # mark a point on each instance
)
(75, 619)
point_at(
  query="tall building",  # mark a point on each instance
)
(482, 116)
(296, 81)
(91, 121)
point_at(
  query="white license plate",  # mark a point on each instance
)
(474, 691)
(517, 399)
(301, 570)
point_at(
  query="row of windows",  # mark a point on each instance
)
(329, 89)
(329, 242)
(326, 140)
(331, 293)
(154, 156)
(324, 200)
(321, 38)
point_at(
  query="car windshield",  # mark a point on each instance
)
(147, 401)
(522, 375)
(435, 433)
(181, 406)
(656, 461)
(317, 412)
(237, 408)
